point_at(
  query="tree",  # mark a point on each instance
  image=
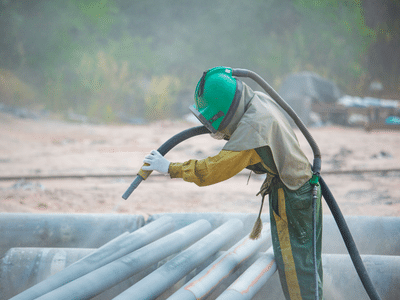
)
(382, 59)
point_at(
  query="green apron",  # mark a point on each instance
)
(291, 230)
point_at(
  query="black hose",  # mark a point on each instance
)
(257, 78)
(349, 241)
(180, 137)
(330, 200)
(164, 148)
(314, 239)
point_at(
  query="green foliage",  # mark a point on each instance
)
(332, 39)
(160, 97)
(106, 83)
(13, 91)
(112, 59)
(55, 93)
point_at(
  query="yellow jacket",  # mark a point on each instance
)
(214, 169)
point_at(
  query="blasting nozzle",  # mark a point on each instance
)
(132, 187)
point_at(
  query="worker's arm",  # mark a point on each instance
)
(214, 169)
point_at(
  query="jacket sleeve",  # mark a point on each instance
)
(214, 169)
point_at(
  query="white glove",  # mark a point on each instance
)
(156, 162)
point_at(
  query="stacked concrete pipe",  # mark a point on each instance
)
(178, 256)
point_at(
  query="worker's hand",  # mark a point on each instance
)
(156, 162)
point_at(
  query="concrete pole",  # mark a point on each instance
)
(166, 276)
(118, 247)
(102, 279)
(207, 280)
(252, 280)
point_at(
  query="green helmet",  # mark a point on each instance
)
(216, 98)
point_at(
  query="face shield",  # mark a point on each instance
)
(202, 119)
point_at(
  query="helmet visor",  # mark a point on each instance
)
(202, 119)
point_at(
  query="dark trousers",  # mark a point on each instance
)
(291, 214)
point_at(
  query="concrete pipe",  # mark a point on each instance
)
(206, 281)
(252, 280)
(118, 247)
(216, 220)
(372, 235)
(100, 280)
(22, 268)
(63, 230)
(166, 276)
(15, 278)
(341, 281)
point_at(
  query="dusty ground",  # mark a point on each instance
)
(48, 147)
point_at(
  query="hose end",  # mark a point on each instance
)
(132, 187)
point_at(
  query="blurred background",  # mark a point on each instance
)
(139, 61)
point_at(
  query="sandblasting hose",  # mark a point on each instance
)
(164, 148)
(289, 111)
(330, 200)
(314, 241)
(349, 241)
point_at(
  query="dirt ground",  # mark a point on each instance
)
(45, 146)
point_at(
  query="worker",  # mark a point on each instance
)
(259, 138)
